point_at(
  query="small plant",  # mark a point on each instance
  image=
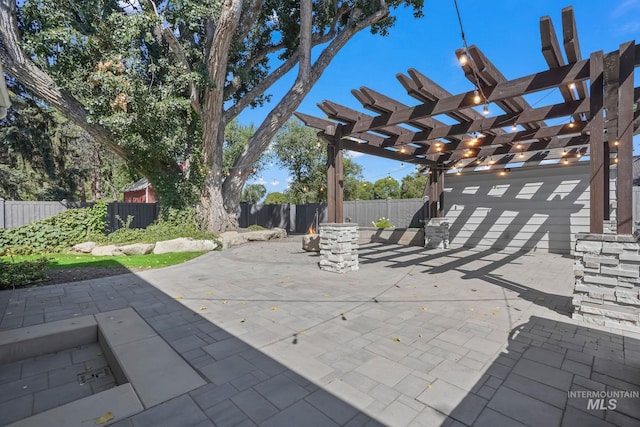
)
(256, 227)
(382, 222)
(17, 274)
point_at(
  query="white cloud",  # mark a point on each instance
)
(626, 7)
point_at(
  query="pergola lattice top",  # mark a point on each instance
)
(413, 134)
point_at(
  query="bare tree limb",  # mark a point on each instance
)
(283, 69)
(304, 69)
(260, 140)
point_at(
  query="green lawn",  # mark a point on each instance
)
(131, 261)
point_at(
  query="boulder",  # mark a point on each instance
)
(311, 242)
(84, 248)
(233, 238)
(137, 249)
(182, 244)
(106, 250)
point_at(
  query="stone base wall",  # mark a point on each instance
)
(607, 280)
(338, 247)
(436, 234)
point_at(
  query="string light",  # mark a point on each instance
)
(521, 154)
(485, 110)
(476, 97)
(616, 142)
(571, 123)
(514, 127)
(519, 146)
(566, 161)
(572, 85)
(463, 59)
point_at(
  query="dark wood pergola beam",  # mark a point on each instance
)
(424, 89)
(498, 122)
(506, 154)
(350, 117)
(489, 75)
(524, 85)
(380, 103)
(373, 147)
(552, 54)
(542, 135)
(572, 44)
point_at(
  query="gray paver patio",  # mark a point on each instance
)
(413, 338)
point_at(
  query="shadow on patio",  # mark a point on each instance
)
(528, 383)
(244, 386)
(467, 264)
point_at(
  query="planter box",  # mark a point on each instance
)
(400, 236)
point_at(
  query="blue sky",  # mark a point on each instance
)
(507, 31)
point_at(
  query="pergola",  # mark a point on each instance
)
(599, 115)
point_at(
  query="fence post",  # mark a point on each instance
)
(2, 221)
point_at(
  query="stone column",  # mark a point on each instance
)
(338, 247)
(607, 280)
(436, 234)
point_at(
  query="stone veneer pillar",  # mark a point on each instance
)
(436, 234)
(607, 280)
(338, 247)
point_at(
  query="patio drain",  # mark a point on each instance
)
(91, 376)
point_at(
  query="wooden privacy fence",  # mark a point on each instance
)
(298, 218)
(18, 213)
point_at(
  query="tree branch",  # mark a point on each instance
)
(261, 88)
(248, 18)
(166, 34)
(41, 84)
(304, 69)
(260, 140)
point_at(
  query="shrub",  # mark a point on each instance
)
(16, 274)
(256, 227)
(173, 223)
(55, 233)
(382, 222)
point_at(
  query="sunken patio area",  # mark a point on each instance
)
(413, 338)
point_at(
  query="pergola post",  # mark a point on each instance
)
(433, 193)
(625, 139)
(596, 146)
(440, 192)
(335, 182)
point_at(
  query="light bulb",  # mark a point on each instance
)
(463, 59)
(615, 142)
(485, 110)
(519, 146)
(572, 85)
(476, 97)
(514, 127)
(521, 154)
(566, 161)
(615, 160)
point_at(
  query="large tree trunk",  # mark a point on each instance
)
(221, 34)
(213, 210)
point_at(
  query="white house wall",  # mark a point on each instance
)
(535, 208)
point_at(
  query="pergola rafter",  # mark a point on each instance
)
(518, 134)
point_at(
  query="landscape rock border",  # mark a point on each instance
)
(181, 244)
